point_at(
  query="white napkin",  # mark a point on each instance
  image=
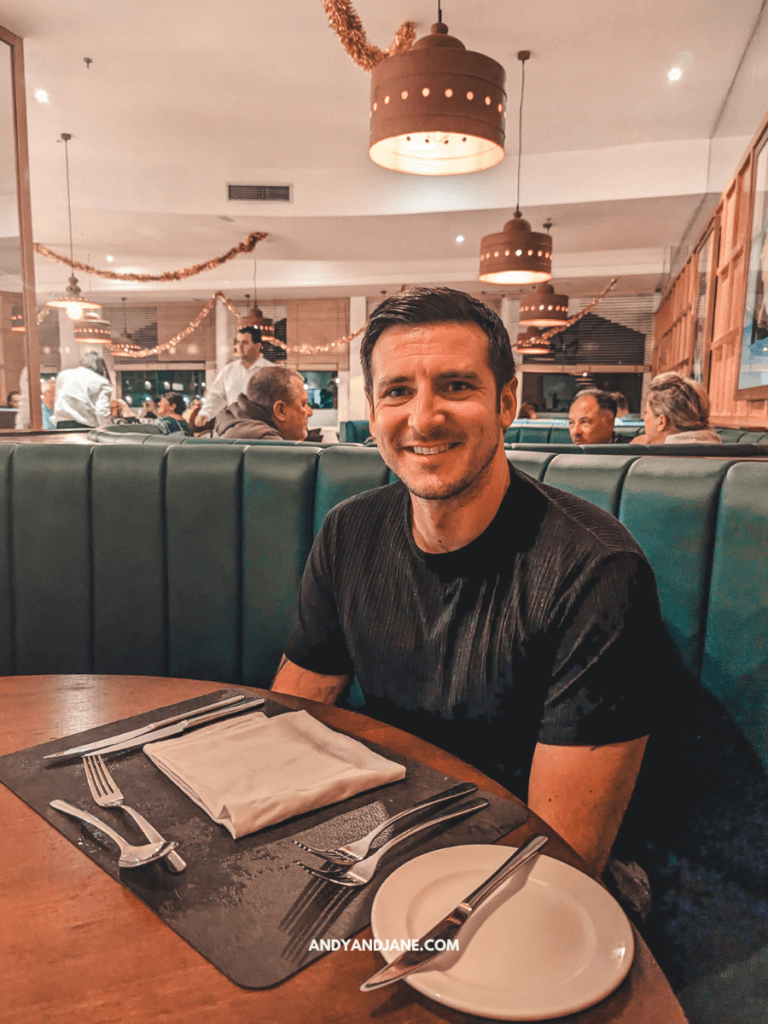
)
(251, 772)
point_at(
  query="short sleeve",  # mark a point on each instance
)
(317, 641)
(607, 647)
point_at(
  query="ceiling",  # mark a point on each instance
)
(184, 96)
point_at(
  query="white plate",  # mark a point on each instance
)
(549, 943)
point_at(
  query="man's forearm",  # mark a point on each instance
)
(300, 682)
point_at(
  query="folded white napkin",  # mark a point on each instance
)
(251, 772)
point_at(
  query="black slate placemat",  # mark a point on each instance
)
(243, 904)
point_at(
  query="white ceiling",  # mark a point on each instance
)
(185, 96)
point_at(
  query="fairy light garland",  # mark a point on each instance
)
(588, 308)
(346, 23)
(247, 245)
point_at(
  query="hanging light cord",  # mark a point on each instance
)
(69, 199)
(520, 135)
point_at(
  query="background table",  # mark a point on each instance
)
(76, 947)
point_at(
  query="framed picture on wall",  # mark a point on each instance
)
(753, 363)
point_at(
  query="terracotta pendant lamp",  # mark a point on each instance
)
(437, 108)
(17, 319)
(90, 329)
(543, 308)
(255, 317)
(531, 343)
(72, 300)
(517, 255)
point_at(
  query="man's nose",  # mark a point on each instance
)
(426, 412)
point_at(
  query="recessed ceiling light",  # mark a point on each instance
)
(675, 74)
(459, 238)
(41, 95)
(110, 259)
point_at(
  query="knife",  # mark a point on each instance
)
(452, 923)
(151, 732)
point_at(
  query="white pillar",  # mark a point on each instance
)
(357, 404)
(224, 340)
(510, 315)
(68, 348)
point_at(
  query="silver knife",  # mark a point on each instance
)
(452, 923)
(96, 746)
(175, 730)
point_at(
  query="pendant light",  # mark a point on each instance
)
(517, 255)
(92, 330)
(531, 343)
(255, 318)
(73, 300)
(17, 319)
(543, 308)
(437, 108)
(125, 341)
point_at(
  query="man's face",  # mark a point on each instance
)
(296, 413)
(15, 399)
(435, 414)
(246, 348)
(164, 407)
(588, 423)
(114, 409)
(49, 394)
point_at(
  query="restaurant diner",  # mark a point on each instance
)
(384, 479)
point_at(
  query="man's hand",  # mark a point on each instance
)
(303, 683)
(583, 792)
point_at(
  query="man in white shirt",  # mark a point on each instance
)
(232, 380)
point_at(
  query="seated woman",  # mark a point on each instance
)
(172, 408)
(676, 412)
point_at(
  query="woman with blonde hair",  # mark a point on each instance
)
(676, 412)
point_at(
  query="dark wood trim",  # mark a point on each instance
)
(759, 144)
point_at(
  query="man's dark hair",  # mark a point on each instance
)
(9, 399)
(621, 399)
(604, 399)
(272, 384)
(176, 402)
(254, 332)
(93, 361)
(435, 306)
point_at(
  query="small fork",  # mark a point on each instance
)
(362, 872)
(106, 794)
(352, 852)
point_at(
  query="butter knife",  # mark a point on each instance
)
(452, 923)
(158, 730)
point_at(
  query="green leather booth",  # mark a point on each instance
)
(158, 556)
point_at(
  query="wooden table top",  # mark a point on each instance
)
(77, 947)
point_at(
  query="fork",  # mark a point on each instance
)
(107, 794)
(352, 852)
(362, 872)
(130, 856)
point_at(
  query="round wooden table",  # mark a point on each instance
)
(77, 947)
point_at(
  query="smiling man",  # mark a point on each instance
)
(501, 619)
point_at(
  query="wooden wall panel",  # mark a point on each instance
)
(317, 322)
(674, 324)
(11, 346)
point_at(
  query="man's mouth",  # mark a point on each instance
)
(432, 450)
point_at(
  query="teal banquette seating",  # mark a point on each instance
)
(184, 559)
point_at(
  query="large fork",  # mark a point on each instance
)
(107, 794)
(346, 855)
(362, 872)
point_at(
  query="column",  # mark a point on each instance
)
(357, 404)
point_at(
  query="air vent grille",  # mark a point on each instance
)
(260, 193)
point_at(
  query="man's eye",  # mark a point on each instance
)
(458, 385)
(394, 393)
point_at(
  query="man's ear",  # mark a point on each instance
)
(278, 410)
(508, 402)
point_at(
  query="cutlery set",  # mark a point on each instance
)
(349, 866)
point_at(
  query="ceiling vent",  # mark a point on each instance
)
(259, 193)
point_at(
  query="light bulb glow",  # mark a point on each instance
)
(74, 311)
(110, 259)
(41, 95)
(459, 238)
(675, 74)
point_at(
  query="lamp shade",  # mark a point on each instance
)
(437, 109)
(543, 308)
(530, 343)
(17, 319)
(516, 255)
(73, 301)
(91, 329)
(257, 319)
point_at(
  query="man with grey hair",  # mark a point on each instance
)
(274, 407)
(591, 418)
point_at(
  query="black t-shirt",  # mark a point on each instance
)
(543, 629)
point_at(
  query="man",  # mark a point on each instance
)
(500, 618)
(591, 417)
(622, 405)
(275, 407)
(233, 379)
(171, 409)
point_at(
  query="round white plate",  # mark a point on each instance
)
(546, 945)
